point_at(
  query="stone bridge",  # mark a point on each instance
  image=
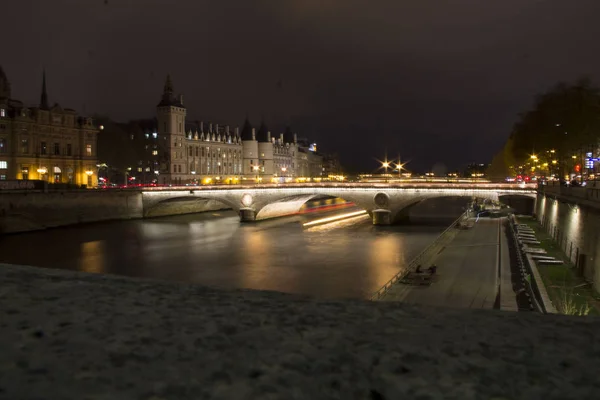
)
(386, 203)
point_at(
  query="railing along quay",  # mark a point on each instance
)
(417, 260)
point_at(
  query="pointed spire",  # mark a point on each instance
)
(44, 96)
(168, 89)
(288, 135)
(246, 133)
(168, 99)
(263, 132)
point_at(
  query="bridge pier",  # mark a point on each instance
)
(247, 215)
(382, 217)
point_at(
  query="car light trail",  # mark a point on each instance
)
(336, 218)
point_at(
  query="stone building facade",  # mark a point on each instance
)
(48, 143)
(206, 153)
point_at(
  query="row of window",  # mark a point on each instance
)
(200, 168)
(67, 151)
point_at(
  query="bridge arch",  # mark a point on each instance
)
(293, 204)
(521, 203)
(183, 203)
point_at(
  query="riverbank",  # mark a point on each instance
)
(27, 212)
(68, 335)
(568, 291)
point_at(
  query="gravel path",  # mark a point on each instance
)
(66, 335)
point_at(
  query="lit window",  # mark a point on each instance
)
(139, 169)
(2, 112)
(3, 164)
(2, 145)
(147, 169)
(88, 149)
(155, 135)
(154, 152)
(147, 136)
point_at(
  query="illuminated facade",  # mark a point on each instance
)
(199, 153)
(53, 144)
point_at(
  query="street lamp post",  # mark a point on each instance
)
(255, 168)
(42, 171)
(89, 174)
(283, 169)
(385, 166)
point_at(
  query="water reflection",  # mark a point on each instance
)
(349, 258)
(386, 257)
(92, 257)
(256, 263)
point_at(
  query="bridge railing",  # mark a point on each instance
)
(423, 255)
(404, 185)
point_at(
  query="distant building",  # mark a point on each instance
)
(45, 142)
(476, 170)
(331, 166)
(207, 153)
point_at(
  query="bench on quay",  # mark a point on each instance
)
(552, 262)
(525, 233)
(540, 257)
(414, 278)
(534, 250)
(526, 236)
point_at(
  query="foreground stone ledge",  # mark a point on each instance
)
(66, 335)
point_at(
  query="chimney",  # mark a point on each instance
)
(295, 138)
(202, 126)
(217, 128)
(181, 99)
(227, 129)
(237, 131)
(268, 136)
(210, 127)
(253, 133)
(281, 137)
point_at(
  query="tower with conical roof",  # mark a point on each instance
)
(171, 113)
(265, 152)
(250, 161)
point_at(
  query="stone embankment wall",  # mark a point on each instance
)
(29, 211)
(576, 228)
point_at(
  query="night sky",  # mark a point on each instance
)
(436, 81)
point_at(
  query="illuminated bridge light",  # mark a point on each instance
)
(336, 218)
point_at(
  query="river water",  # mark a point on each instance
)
(343, 259)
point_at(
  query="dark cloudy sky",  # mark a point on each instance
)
(433, 80)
